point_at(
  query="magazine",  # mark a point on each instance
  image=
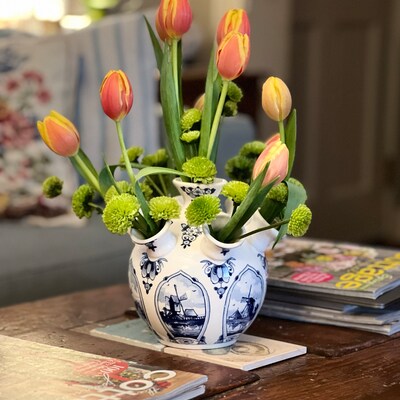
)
(334, 269)
(33, 371)
(380, 321)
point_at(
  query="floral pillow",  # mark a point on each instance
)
(34, 77)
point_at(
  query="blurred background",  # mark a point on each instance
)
(341, 61)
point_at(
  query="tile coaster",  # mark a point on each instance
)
(248, 353)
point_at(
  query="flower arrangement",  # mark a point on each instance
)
(261, 172)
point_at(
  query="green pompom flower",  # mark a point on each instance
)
(278, 193)
(52, 187)
(230, 109)
(146, 189)
(190, 136)
(157, 159)
(234, 92)
(200, 169)
(124, 187)
(189, 118)
(240, 168)
(164, 208)
(299, 221)
(133, 154)
(81, 200)
(120, 212)
(203, 210)
(252, 149)
(236, 191)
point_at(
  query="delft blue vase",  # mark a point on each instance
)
(192, 290)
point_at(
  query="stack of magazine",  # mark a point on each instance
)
(334, 283)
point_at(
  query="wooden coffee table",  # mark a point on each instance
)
(340, 363)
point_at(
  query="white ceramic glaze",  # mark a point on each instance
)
(193, 291)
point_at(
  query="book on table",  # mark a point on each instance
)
(334, 283)
(31, 371)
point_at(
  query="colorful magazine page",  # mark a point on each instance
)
(248, 353)
(31, 370)
(336, 268)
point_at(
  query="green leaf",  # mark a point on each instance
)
(171, 109)
(156, 45)
(212, 91)
(254, 198)
(106, 178)
(87, 162)
(296, 195)
(291, 129)
(158, 170)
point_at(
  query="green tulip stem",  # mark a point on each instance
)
(282, 131)
(275, 225)
(217, 117)
(127, 162)
(87, 173)
(175, 69)
(155, 186)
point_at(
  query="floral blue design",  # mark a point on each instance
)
(197, 191)
(189, 234)
(150, 269)
(219, 274)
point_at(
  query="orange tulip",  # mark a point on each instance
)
(234, 20)
(116, 95)
(277, 154)
(233, 55)
(173, 19)
(59, 134)
(276, 99)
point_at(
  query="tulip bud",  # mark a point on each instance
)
(277, 154)
(276, 99)
(233, 55)
(173, 19)
(59, 134)
(235, 20)
(116, 95)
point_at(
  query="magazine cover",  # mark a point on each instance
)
(335, 268)
(32, 371)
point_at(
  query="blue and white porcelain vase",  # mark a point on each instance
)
(192, 290)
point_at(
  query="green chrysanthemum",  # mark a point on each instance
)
(252, 149)
(52, 187)
(157, 159)
(189, 118)
(200, 169)
(164, 208)
(133, 154)
(239, 168)
(124, 187)
(146, 189)
(203, 210)
(81, 200)
(120, 212)
(234, 92)
(230, 109)
(299, 221)
(190, 136)
(235, 190)
(278, 193)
